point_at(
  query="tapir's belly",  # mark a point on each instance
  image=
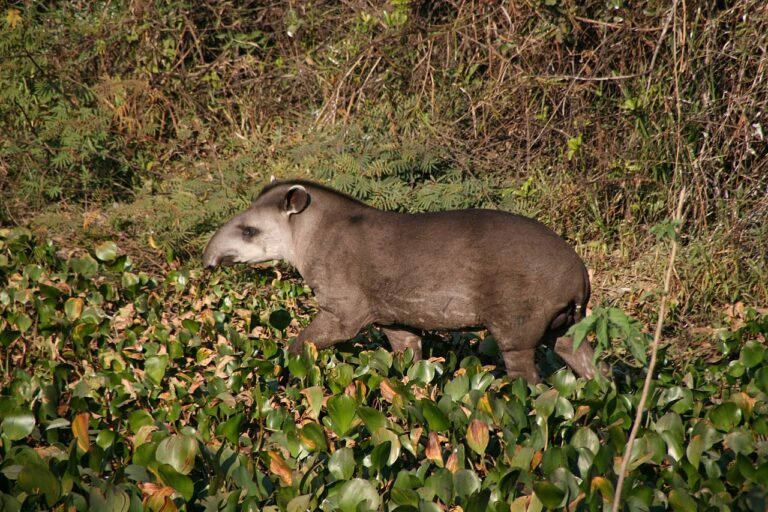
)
(436, 309)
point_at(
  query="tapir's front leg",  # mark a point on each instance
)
(325, 331)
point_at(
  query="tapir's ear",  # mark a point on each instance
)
(296, 200)
(272, 179)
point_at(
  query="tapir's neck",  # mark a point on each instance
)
(311, 235)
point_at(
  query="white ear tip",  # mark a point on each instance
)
(272, 179)
(297, 187)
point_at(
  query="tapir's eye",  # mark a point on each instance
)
(249, 232)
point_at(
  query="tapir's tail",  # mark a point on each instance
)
(580, 304)
(576, 309)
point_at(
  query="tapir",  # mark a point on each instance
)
(408, 273)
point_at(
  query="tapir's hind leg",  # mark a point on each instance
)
(401, 339)
(517, 340)
(580, 361)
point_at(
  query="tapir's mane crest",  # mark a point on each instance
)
(309, 185)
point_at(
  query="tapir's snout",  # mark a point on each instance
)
(209, 258)
(215, 255)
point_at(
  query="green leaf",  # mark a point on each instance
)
(725, 416)
(549, 494)
(457, 388)
(280, 319)
(139, 418)
(106, 251)
(466, 482)
(155, 367)
(436, 419)
(373, 418)
(18, 425)
(342, 464)
(441, 485)
(682, 501)
(312, 437)
(230, 429)
(297, 366)
(341, 413)
(739, 442)
(179, 451)
(23, 322)
(358, 495)
(314, 397)
(85, 266)
(36, 479)
(299, 503)
(382, 436)
(752, 354)
(545, 403)
(423, 371)
(585, 437)
(172, 478)
(105, 438)
(670, 428)
(694, 450)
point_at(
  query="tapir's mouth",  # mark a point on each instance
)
(227, 260)
(210, 261)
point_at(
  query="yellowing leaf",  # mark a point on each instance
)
(13, 18)
(387, 392)
(278, 466)
(433, 451)
(80, 431)
(73, 308)
(477, 436)
(605, 487)
(452, 464)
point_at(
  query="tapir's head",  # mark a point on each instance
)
(263, 232)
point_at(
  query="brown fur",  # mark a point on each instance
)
(406, 272)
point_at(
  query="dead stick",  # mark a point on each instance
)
(652, 363)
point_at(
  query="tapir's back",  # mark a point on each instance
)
(451, 269)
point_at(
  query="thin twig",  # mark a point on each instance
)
(652, 363)
(576, 78)
(671, 15)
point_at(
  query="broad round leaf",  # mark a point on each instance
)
(586, 438)
(312, 437)
(423, 371)
(280, 319)
(172, 478)
(342, 464)
(18, 425)
(155, 367)
(373, 418)
(725, 416)
(341, 411)
(436, 419)
(466, 482)
(358, 495)
(36, 479)
(549, 494)
(73, 308)
(179, 451)
(106, 251)
(752, 354)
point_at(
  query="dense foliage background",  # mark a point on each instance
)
(130, 130)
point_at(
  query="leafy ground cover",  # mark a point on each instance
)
(121, 391)
(129, 379)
